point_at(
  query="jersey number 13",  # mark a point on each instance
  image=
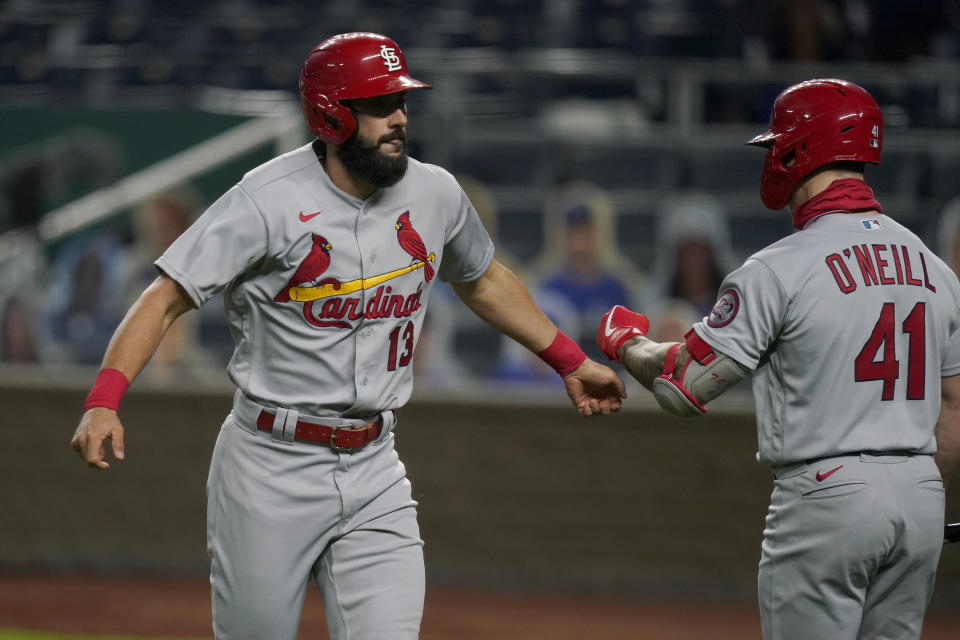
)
(401, 347)
(882, 344)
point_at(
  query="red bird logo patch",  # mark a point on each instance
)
(328, 302)
(412, 243)
(310, 270)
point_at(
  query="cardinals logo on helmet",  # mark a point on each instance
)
(390, 58)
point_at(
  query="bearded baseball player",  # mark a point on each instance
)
(850, 328)
(326, 257)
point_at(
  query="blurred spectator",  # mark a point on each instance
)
(22, 263)
(454, 342)
(86, 295)
(68, 325)
(582, 278)
(18, 345)
(692, 255)
(94, 277)
(581, 273)
(581, 262)
(517, 366)
(485, 203)
(157, 222)
(672, 319)
(948, 235)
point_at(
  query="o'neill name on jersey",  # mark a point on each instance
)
(877, 264)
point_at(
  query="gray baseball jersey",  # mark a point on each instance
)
(324, 294)
(848, 326)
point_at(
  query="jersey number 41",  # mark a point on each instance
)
(868, 367)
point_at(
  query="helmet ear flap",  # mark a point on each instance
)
(327, 119)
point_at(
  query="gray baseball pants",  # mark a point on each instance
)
(851, 547)
(281, 514)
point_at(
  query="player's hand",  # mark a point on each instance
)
(594, 389)
(96, 427)
(617, 326)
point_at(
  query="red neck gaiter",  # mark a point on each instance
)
(848, 194)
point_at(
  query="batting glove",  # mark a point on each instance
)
(617, 326)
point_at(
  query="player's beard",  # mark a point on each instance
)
(366, 162)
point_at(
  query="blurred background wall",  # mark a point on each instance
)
(602, 143)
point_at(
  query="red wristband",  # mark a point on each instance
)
(563, 354)
(107, 390)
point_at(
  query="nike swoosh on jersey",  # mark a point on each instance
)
(823, 476)
(307, 218)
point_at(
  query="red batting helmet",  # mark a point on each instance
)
(812, 124)
(350, 65)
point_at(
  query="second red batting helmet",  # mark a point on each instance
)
(812, 124)
(350, 65)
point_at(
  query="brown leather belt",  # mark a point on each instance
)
(342, 438)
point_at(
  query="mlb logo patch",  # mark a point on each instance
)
(871, 225)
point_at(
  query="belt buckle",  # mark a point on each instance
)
(344, 427)
(333, 440)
